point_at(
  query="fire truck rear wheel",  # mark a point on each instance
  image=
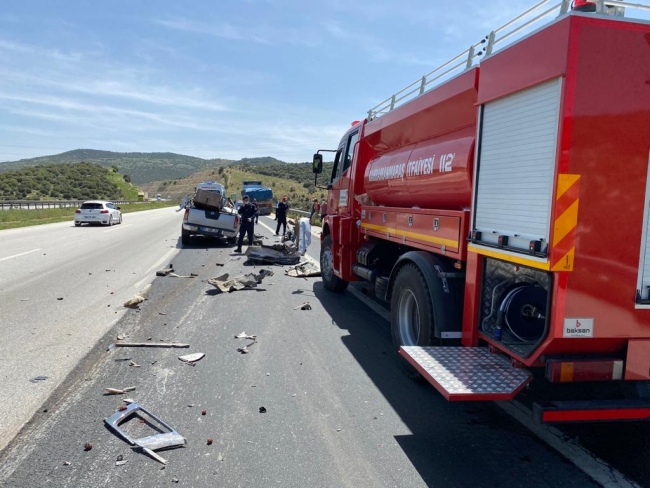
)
(330, 280)
(412, 314)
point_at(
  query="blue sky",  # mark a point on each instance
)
(227, 79)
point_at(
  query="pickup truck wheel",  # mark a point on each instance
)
(412, 314)
(185, 237)
(231, 240)
(330, 280)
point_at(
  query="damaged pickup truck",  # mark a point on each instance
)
(210, 214)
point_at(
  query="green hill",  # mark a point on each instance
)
(141, 167)
(79, 181)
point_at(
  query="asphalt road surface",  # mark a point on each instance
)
(339, 413)
(61, 289)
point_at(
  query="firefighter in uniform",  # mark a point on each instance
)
(248, 212)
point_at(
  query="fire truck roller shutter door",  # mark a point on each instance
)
(423, 305)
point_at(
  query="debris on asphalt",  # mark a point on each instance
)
(262, 409)
(192, 358)
(66, 463)
(151, 344)
(119, 457)
(220, 264)
(165, 439)
(162, 313)
(210, 441)
(304, 306)
(88, 446)
(24, 299)
(191, 275)
(274, 254)
(339, 430)
(38, 379)
(119, 391)
(138, 298)
(165, 271)
(220, 457)
(251, 280)
(121, 359)
(204, 412)
(120, 463)
(128, 400)
(121, 337)
(303, 270)
(121, 408)
(134, 364)
(60, 298)
(244, 335)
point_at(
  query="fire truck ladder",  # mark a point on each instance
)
(533, 18)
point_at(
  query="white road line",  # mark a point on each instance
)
(120, 226)
(156, 218)
(589, 464)
(18, 255)
(156, 265)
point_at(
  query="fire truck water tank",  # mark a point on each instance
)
(431, 174)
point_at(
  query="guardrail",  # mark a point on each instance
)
(38, 204)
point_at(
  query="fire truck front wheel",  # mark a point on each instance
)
(330, 280)
(412, 314)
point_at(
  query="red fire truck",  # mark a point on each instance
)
(501, 208)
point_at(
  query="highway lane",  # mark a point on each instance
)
(339, 412)
(61, 288)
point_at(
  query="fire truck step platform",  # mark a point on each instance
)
(591, 411)
(467, 373)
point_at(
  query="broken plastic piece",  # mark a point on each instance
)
(224, 285)
(38, 379)
(304, 270)
(151, 443)
(304, 306)
(192, 358)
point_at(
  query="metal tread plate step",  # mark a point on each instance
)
(467, 373)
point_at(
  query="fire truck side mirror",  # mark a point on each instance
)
(318, 164)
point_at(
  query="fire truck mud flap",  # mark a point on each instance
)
(467, 373)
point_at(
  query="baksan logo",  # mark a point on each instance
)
(578, 328)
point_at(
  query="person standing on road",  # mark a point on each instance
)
(281, 210)
(314, 210)
(323, 210)
(248, 212)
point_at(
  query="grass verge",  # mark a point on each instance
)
(12, 219)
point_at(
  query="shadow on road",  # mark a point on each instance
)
(451, 444)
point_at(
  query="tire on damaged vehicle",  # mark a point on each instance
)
(185, 237)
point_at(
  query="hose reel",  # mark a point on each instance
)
(523, 311)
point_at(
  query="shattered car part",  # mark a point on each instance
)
(225, 285)
(150, 443)
(304, 306)
(243, 335)
(274, 254)
(303, 270)
(192, 358)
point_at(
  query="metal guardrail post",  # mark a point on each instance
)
(490, 44)
(392, 103)
(423, 84)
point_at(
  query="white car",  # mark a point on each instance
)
(97, 212)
